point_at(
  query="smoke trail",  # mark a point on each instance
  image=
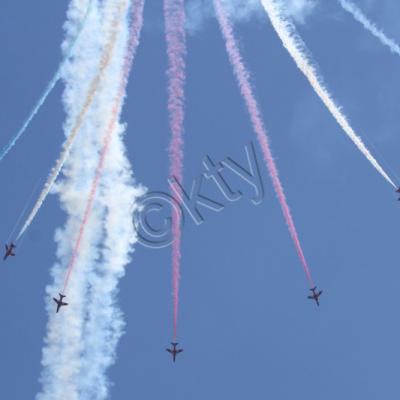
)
(94, 283)
(104, 325)
(63, 354)
(93, 88)
(242, 77)
(174, 15)
(297, 49)
(49, 87)
(28, 201)
(370, 26)
(111, 129)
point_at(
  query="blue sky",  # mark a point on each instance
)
(246, 326)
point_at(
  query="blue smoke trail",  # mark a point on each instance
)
(49, 88)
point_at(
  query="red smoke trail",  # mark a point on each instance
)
(134, 34)
(242, 77)
(174, 14)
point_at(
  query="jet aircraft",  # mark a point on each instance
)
(174, 351)
(9, 251)
(315, 295)
(60, 302)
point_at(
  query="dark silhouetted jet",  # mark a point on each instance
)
(9, 251)
(174, 351)
(60, 302)
(315, 295)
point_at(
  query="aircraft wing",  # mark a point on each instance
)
(169, 350)
(64, 304)
(179, 351)
(310, 297)
(55, 300)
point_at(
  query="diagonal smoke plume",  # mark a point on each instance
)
(293, 43)
(50, 86)
(243, 78)
(359, 16)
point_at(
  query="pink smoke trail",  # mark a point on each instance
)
(134, 35)
(242, 76)
(174, 14)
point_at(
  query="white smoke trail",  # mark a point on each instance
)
(94, 86)
(370, 26)
(80, 345)
(297, 49)
(105, 324)
(61, 359)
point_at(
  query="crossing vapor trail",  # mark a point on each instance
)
(293, 43)
(174, 15)
(75, 362)
(242, 76)
(111, 129)
(49, 88)
(93, 88)
(359, 16)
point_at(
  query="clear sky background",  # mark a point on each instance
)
(245, 323)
